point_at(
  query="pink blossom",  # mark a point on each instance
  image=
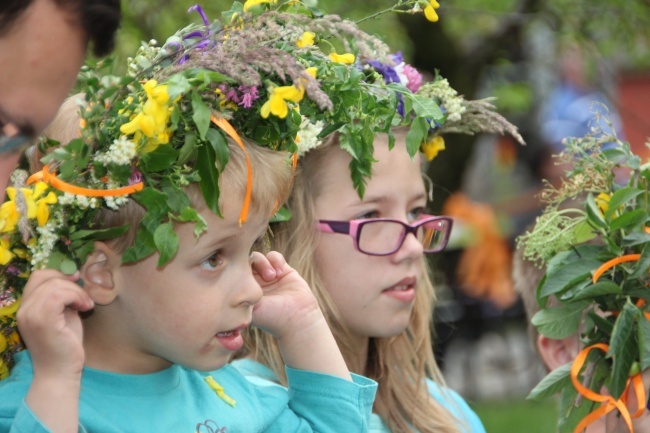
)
(249, 95)
(414, 78)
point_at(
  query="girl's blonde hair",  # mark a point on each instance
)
(271, 177)
(399, 364)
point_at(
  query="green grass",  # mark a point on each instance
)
(517, 416)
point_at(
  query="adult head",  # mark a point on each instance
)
(43, 43)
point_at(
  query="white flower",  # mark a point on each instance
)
(307, 137)
(121, 152)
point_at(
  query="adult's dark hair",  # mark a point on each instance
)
(99, 18)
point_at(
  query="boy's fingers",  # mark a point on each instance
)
(42, 275)
(262, 267)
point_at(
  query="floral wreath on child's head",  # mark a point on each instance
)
(267, 70)
(594, 240)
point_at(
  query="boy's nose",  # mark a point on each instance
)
(249, 292)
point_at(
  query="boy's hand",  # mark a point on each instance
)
(288, 303)
(290, 312)
(49, 323)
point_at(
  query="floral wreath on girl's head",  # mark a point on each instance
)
(279, 73)
(594, 240)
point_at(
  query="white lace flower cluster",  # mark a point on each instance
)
(307, 137)
(144, 57)
(79, 201)
(450, 100)
(121, 152)
(48, 236)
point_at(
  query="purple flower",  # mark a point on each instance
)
(199, 9)
(249, 95)
(387, 71)
(136, 176)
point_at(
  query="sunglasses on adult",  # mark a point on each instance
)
(384, 236)
(12, 138)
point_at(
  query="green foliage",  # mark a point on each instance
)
(612, 301)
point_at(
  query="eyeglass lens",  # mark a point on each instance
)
(380, 237)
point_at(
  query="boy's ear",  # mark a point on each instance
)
(556, 353)
(97, 274)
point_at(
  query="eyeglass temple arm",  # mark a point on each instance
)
(334, 226)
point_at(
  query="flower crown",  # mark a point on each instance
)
(280, 74)
(594, 241)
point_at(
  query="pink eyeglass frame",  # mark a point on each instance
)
(353, 228)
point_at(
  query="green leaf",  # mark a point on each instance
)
(220, 146)
(570, 414)
(416, 135)
(68, 267)
(601, 322)
(166, 241)
(594, 214)
(598, 289)
(644, 343)
(282, 215)
(201, 114)
(163, 157)
(100, 234)
(187, 151)
(142, 247)
(635, 238)
(177, 199)
(641, 268)
(629, 220)
(177, 85)
(567, 276)
(209, 183)
(619, 198)
(623, 348)
(559, 322)
(190, 214)
(552, 383)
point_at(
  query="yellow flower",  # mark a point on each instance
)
(602, 201)
(4, 370)
(347, 58)
(5, 253)
(277, 104)
(14, 338)
(306, 40)
(312, 71)
(430, 11)
(42, 211)
(10, 310)
(9, 214)
(250, 3)
(432, 147)
(153, 119)
(3, 343)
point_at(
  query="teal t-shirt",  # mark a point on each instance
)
(260, 374)
(178, 400)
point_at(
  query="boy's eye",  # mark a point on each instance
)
(213, 261)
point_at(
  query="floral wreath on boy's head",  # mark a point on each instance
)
(593, 238)
(279, 73)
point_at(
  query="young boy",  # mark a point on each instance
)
(558, 352)
(126, 347)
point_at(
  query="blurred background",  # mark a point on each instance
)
(544, 60)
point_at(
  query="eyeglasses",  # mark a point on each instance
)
(12, 139)
(384, 236)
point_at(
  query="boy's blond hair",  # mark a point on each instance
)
(399, 364)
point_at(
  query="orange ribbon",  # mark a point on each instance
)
(609, 402)
(228, 129)
(50, 178)
(613, 262)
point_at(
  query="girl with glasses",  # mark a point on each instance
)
(365, 260)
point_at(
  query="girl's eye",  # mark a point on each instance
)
(368, 215)
(212, 262)
(415, 213)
